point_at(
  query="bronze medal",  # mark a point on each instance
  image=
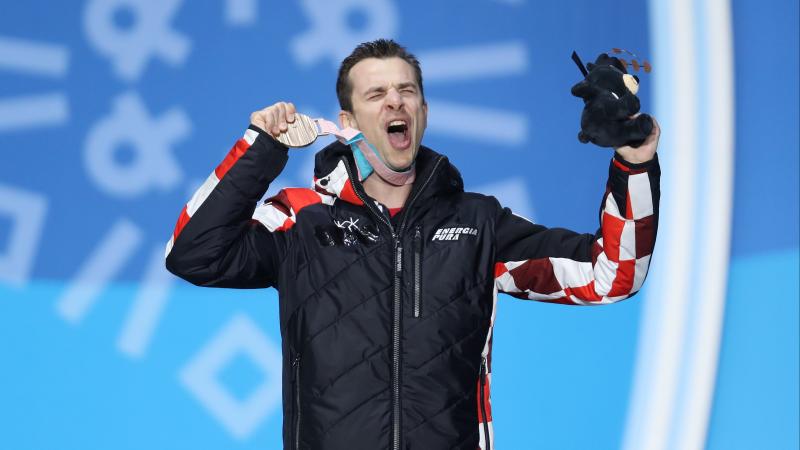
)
(300, 133)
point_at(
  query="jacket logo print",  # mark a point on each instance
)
(347, 224)
(346, 232)
(453, 233)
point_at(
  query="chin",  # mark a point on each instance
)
(400, 164)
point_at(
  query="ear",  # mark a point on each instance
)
(631, 82)
(581, 89)
(347, 120)
(424, 116)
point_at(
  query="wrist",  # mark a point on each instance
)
(637, 163)
(634, 159)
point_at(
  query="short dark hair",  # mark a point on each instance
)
(381, 49)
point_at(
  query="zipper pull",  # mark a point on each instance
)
(399, 251)
(295, 363)
(483, 369)
(417, 241)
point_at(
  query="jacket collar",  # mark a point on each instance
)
(334, 164)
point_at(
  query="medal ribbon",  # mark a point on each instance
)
(366, 156)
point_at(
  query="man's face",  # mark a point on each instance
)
(388, 108)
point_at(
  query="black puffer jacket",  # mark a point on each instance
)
(386, 322)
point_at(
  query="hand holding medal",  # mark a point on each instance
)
(282, 121)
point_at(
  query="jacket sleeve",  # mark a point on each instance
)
(560, 266)
(219, 240)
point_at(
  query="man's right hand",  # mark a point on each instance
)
(274, 119)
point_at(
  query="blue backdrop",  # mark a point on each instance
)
(113, 111)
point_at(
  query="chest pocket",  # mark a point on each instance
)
(445, 262)
(339, 239)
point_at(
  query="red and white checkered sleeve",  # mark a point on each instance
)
(561, 266)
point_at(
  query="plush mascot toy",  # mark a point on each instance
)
(609, 95)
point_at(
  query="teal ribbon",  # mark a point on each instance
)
(364, 167)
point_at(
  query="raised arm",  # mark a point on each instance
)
(220, 240)
(561, 266)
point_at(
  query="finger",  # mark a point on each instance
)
(280, 112)
(654, 133)
(656, 127)
(290, 112)
(257, 119)
(272, 122)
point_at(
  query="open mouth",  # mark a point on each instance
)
(398, 134)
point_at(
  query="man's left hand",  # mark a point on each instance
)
(644, 152)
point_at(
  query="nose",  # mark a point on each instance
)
(393, 99)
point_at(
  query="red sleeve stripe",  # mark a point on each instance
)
(628, 206)
(623, 281)
(486, 399)
(348, 194)
(627, 169)
(273, 214)
(488, 419)
(621, 166)
(299, 198)
(586, 293)
(236, 152)
(202, 193)
(499, 269)
(612, 228)
(183, 219)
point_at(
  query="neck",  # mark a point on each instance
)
(388, 194)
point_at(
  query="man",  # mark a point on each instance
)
(388, 272)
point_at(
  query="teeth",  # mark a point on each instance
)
(397, 122)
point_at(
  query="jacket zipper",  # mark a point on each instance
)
(417, 271)
(483, 406)
(297, 415)
(396, 310)
(396, 410)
